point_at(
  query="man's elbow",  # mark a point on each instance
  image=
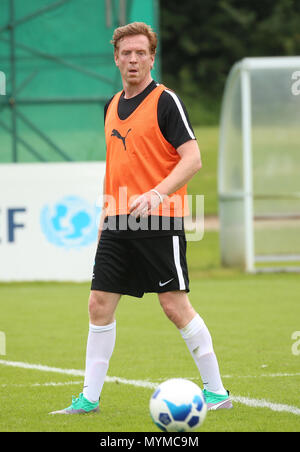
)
(197, 164)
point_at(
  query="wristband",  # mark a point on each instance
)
(158, 194)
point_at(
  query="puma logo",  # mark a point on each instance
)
(116, 133)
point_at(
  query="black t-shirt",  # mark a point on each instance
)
(172, 116)
(175, 126)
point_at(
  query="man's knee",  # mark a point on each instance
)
(167, 303)
(174, 304)
(102, 306)
(177, 307)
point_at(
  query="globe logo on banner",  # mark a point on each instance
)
(70, 223)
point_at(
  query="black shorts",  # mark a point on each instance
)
(134, 267)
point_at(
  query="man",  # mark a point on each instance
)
(151, 154)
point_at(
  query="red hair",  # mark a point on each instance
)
(135, 28)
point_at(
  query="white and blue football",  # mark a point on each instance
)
(178, 405)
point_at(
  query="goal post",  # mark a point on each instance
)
(259, 165)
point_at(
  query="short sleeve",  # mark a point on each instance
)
(173, 119)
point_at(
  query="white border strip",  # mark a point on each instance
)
(183, 117)
(254, 403)
(176, 252)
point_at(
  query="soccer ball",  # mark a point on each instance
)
(178, 405)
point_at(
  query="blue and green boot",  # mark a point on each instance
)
(79, 405)
(216, 401)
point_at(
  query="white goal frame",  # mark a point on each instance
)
(237, 240)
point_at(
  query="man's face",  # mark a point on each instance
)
(134, 60)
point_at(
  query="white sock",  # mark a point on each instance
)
(100, 345)
(199, 343)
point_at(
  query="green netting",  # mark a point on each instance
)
(59, 67)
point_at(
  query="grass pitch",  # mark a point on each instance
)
(251, 318)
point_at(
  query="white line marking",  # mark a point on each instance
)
(38, 385)
(80, 373)
(262, 403)
(235, 377)
(278, 375)
(74, 372)
(255, 403)
(77, 373)
(139, 383)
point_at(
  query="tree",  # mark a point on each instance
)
(202, 39)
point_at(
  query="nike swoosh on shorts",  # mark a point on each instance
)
(161, 284)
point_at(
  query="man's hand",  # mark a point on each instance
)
(145, 204)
